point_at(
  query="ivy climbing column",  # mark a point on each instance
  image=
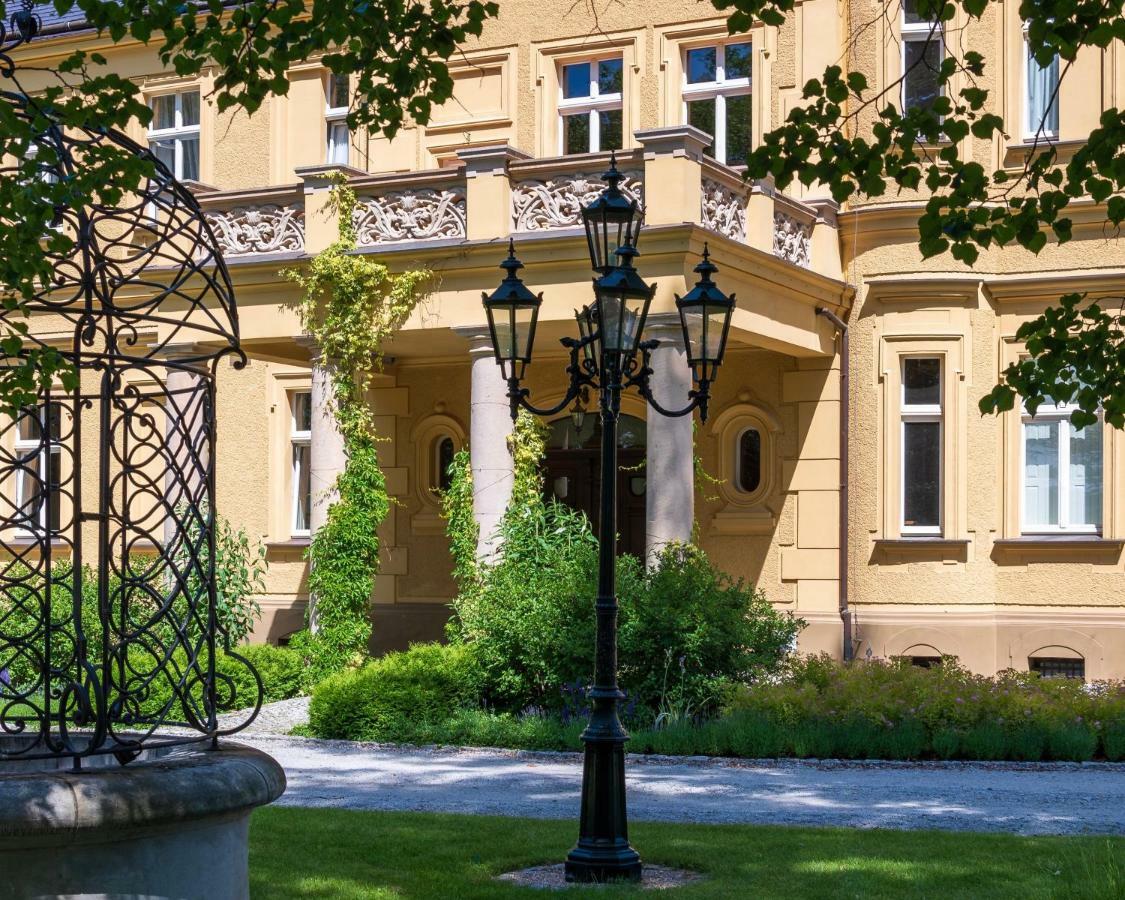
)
(490, 424)
(670, 460)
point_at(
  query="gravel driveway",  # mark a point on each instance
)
(1025, 799)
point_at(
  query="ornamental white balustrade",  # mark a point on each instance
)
(248, 223)
(422, 206)
(537, 196)
(548, 194)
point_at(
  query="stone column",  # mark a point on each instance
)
(670, 467)
(490, 424)
(326, 452)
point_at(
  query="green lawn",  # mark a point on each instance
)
(343, 854)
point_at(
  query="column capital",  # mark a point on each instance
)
(186, 353)
(664, 324)
(478, 336)
(674, 140)
(490, 159)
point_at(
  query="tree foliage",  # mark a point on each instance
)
(858, 142)
(396, 53)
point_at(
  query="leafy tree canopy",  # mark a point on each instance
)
(859, 142)
(396, 52)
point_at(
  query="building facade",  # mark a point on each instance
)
(857, 484)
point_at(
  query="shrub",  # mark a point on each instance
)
(391, 698)
(1113, 741)
(986, 740)
(686, 631)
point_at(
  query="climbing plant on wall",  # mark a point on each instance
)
(350, 305)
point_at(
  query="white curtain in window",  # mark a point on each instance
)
(1041, 85)
(191, 159)
(1041, 474)
(1086, 475)
(338, 140)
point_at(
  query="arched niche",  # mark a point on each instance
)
(436, 439)
(747, 436)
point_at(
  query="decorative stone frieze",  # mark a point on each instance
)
(723, 210)
(792, 240)
(557, 202)
(258, 229)
(418, 214)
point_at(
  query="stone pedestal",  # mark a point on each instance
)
(490, 424)
(670, 465)
(171, 824)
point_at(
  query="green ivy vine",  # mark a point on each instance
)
(350, 305)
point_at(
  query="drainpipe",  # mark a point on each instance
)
(845, 611)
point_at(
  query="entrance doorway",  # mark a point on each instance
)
(573, 466)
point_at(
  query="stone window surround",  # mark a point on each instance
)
(333, 117)
(548, 58)
(424, 436)
(718, 90)
(674, 41)
(950, 349)
(12, 492)
(298, 437)
(284, 382)
(742, 512)
(1012, 427)
(156, 85)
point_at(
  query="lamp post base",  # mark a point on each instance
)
(599, 863)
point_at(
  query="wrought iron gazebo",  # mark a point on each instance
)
(109, 626)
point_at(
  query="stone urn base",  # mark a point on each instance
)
(174, 823)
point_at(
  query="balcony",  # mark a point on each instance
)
(498, 190)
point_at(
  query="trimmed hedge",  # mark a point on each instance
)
(393, 697)
(816, 709)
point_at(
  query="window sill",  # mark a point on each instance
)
(928, 540)
(23, 542)
(1051, 541)
(293, 548)
(923, 548)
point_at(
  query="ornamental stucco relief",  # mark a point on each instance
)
(723, 210)
(258, 229)
(557, 202)
(792, 240)
(414, 215)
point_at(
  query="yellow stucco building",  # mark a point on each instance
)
(999, 541)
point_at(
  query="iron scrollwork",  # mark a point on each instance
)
(109, 623)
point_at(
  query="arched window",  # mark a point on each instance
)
(443, 452)
(749, 460)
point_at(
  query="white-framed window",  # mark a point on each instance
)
(337, 99)
(300, 443)
(1041, 102)
(748, 460)
(717, 97)
(37, 449)
(173, 134)
(590, 105)
(923, 49)
(1060, 473)
(921, 445)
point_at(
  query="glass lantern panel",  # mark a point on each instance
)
(523, 319)
(693, 321)
(716, 328)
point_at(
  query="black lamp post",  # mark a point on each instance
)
(605, 358)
